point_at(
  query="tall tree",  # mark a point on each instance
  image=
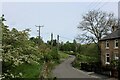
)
(96, 24)
(16, 50)
(36, 40)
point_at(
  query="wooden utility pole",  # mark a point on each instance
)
(39, 34)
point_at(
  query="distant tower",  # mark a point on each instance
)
(57, 42)
(51, 39)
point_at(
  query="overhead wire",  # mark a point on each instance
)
(98, 5)
(105, 3)
(95, 4)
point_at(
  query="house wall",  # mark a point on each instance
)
(111, 50)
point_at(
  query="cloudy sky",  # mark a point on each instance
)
(60, 18)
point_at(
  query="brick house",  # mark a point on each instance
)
(110, 47)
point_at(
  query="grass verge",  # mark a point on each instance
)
(63, 55)
(29, 70)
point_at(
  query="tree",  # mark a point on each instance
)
(1, 25)
(74, 45)
(17, 50)
(95, 25)
(54, 42)
(36, 40)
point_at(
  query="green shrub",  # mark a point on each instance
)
(84, 58)
(54, 54)
(76, 64)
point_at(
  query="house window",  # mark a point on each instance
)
(107, 44)
(116, 56)
(116, 43)
(107, 58)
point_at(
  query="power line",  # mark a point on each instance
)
(39, 32)
(100, 5)
(52, 34)
(66, 38)
(94, 6)
(97, 4)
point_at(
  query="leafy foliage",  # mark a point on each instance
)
(17, 50)
(20, 50)
(70, 48)
(89, 50)
(114, 64)
(88, 54)
(63, 55)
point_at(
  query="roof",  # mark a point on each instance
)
(113, 35)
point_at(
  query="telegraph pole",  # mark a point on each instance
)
(39, 33)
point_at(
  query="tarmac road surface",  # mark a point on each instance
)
(65, 70)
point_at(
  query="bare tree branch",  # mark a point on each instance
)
(97, 23)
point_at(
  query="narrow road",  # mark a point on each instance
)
(65, 70)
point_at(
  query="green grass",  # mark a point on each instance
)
(63, 55)
(84, 58)
(29, 70)
(33, 70)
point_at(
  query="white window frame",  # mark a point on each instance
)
(116, 41)
(107, 42)
(106, 62)
(116, 56)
